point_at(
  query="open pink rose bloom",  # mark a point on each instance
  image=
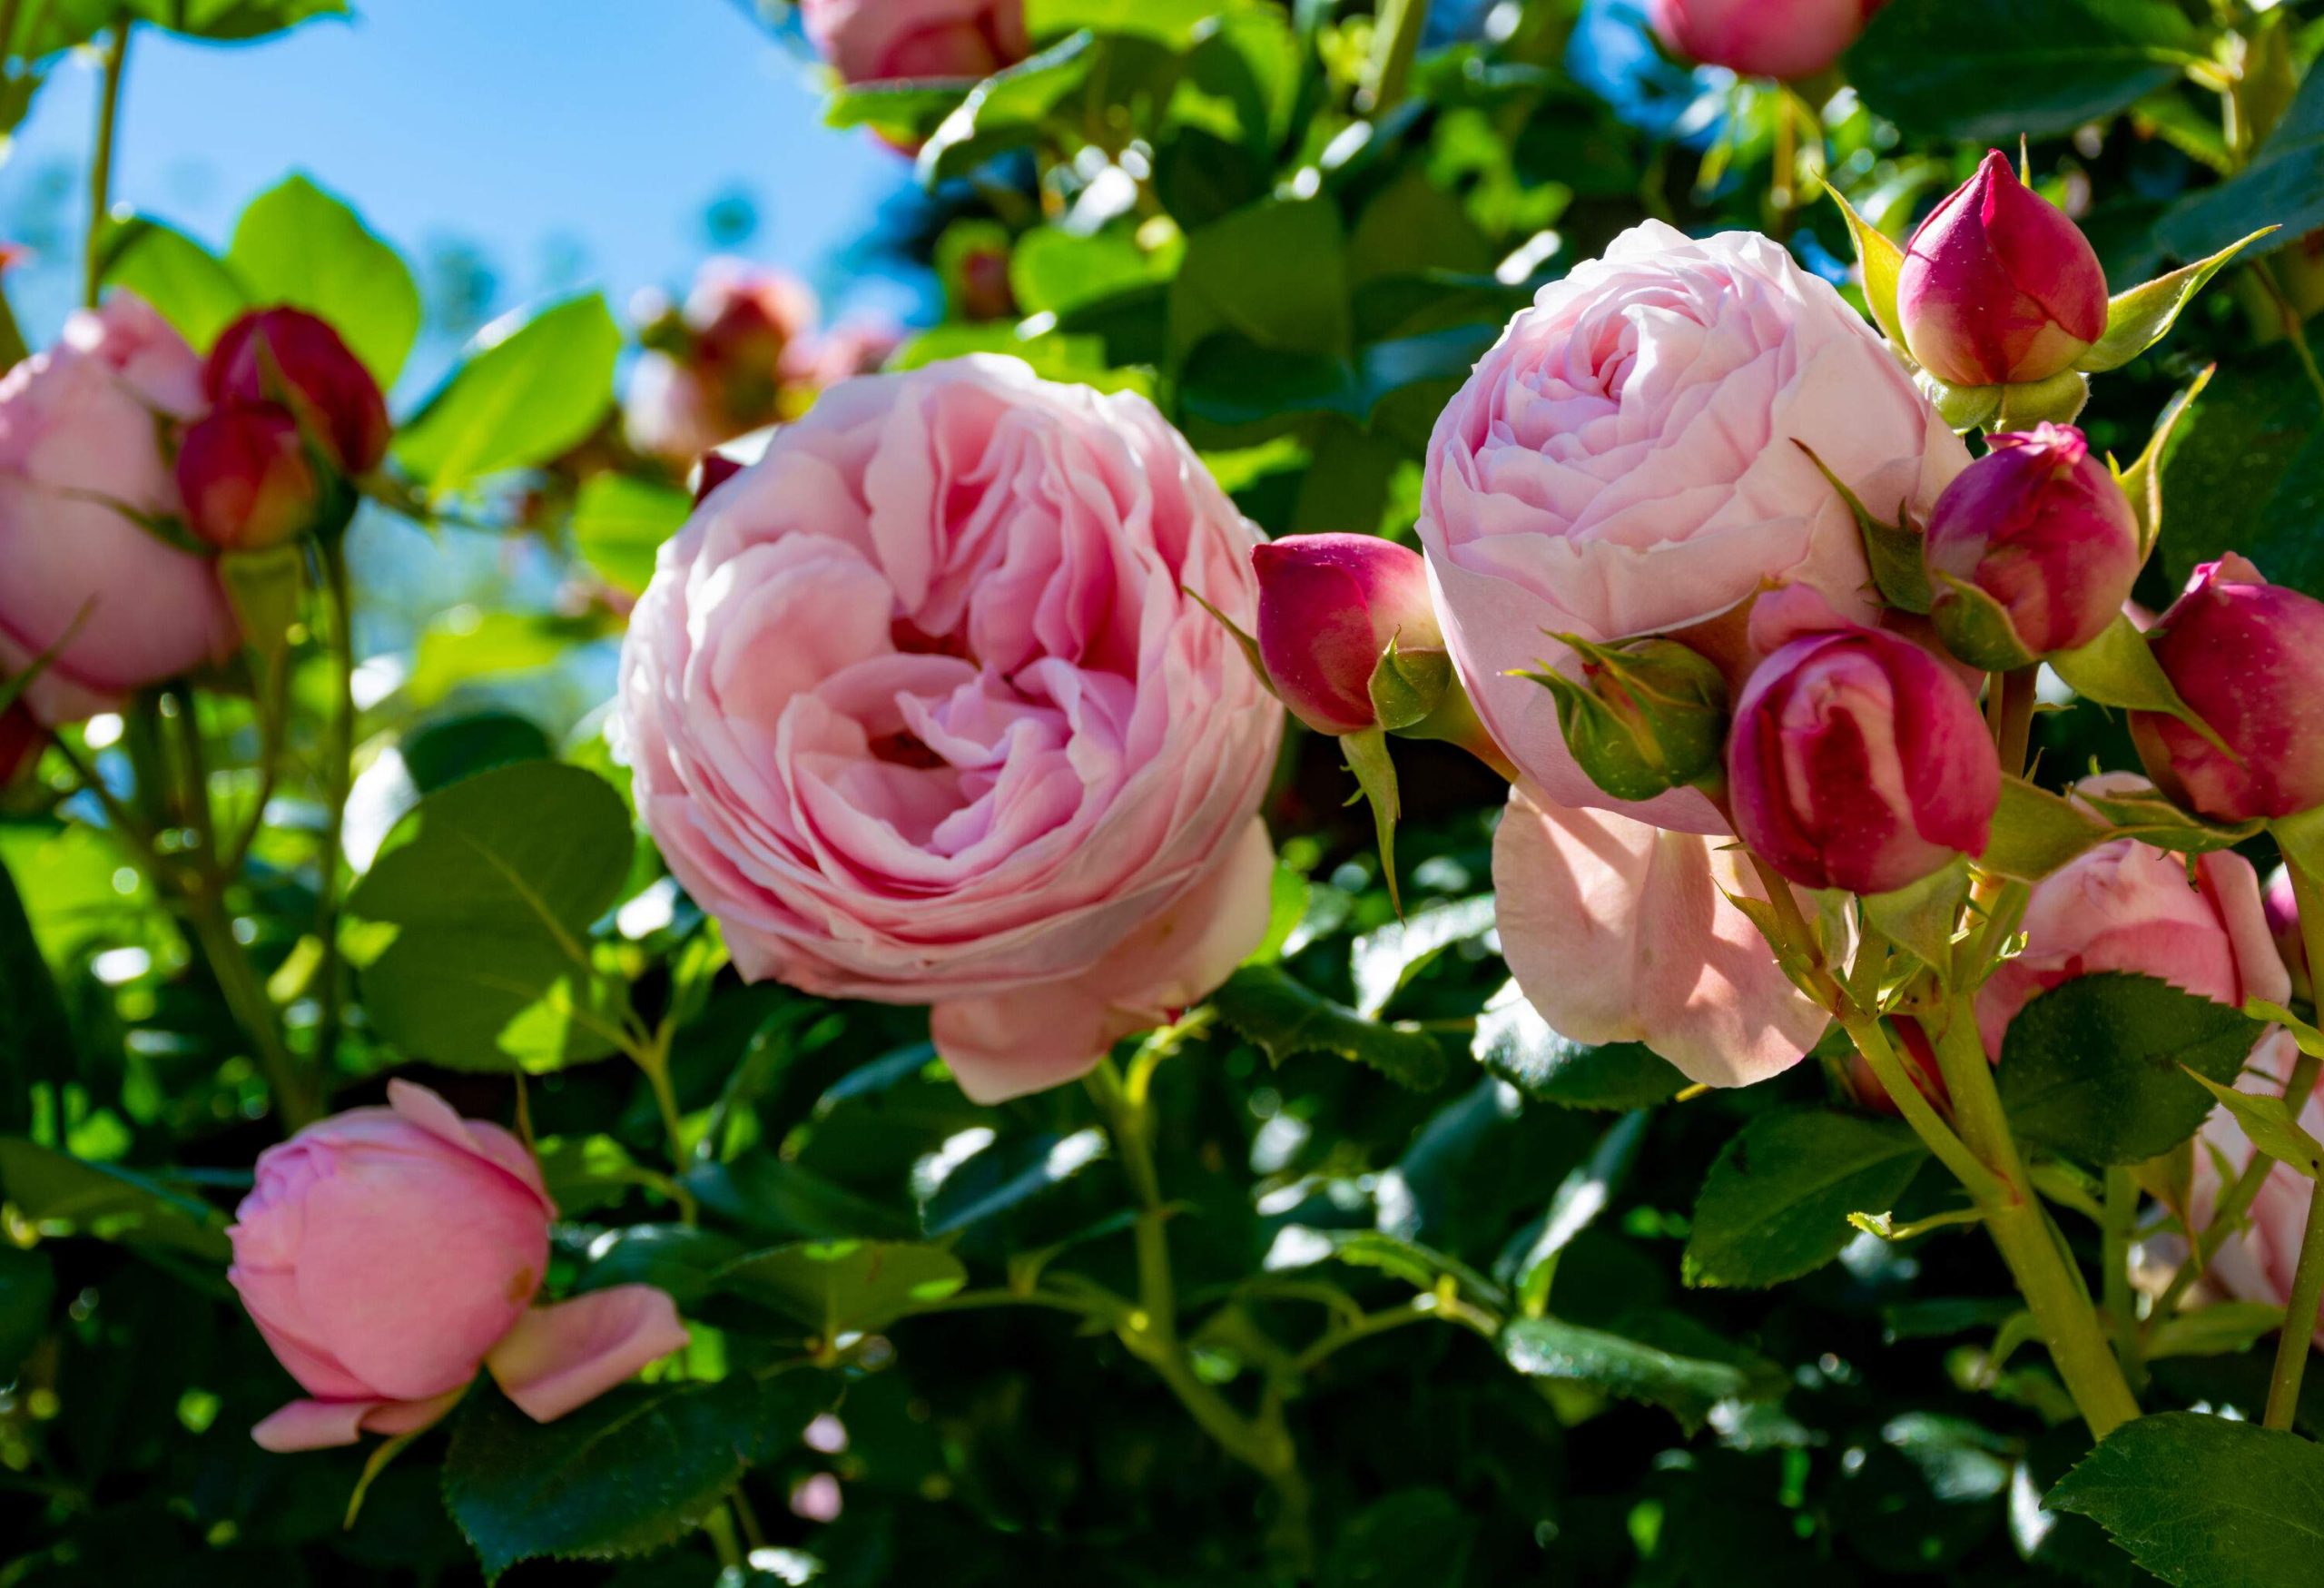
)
(386, 1253)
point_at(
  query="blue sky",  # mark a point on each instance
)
(572, 141)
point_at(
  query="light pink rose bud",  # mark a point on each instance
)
(2257, 1263)
(2247, 658)
(290, 356)
(386, 1253)
(2127, 906)
(246, 479)
(82, 476)
(923, 708)
(1999, 287)
(2040, 526)
(1761, 38)
(2283, 923)
(1858, 761)
(886, 41)
(1328, 606)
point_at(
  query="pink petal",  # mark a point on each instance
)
(307, 1424)
(563, 1356)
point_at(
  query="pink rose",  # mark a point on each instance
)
(2256, 1264)
(1623, 933)
(1761, 38)
(83, 431)
(885, 41)
(1621, 464)
(2127, 906)
(386, 1253)
(921, 710)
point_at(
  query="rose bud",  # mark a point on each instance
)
(2040, 526)
(246, 480)
(288, 356)
(890, 41)
(1858, 761)
(1649, 715)
(2282, 905)
(2126, 906)
(386, 1252)
(1999, 287)
(1329, 605)
(1761, 38)
(2247, 658)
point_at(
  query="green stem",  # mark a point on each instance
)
(2234, 1202)
(212, 927)
(2030, 1245)
(2299, 1318)
(1397, 45)
(2294, 332)
(338, 774)
(116, 61)
(2114, 1266)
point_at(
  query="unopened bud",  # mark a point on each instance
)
(290, 357)
(1348, 631)
(246, 480)
(1647, 716)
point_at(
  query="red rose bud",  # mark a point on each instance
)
(1647, 716)
(1998, 286)
(1329, 605)
(985, 290)
(2039, 526)
(2282, 907)
(246, 480)
(2247, 658)
(1858, 761)
(1761, 38)
(288, 356)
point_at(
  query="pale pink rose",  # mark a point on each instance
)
(85, 431)
(920, 709)
(860, 345)
(886, 41)
(1619, 931)
(2128, 907)
(1621, 463)
(1761, 38)
(2257, 1263)
(386, 1253)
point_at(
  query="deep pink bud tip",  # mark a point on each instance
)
(1328, 606)
(288, 356)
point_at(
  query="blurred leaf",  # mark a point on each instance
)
(58, 24)
(2282, 185)
(1401, 1540)
(1422, 1267)
(191, 288)
(1775, 1204)
(1274, 273)
(841, 1286)
(1580, 1199)
(1516, 1044)
(300, 245)
(2203, 1501)
(80, 1198)
(27, 1291)
(1284, 1018)
(1058, 272)
(771, 1196)
(1007, 110)
(2092, 1066)
(35, 1037)
(1988, 71)
(1685, 1369)
(2224, 1328)
(1383, 962)
(619, 522)
(526, 393)
(1237, 385)
(1171, 22)
(2245, 473)
(492, 883)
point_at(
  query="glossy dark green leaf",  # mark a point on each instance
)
(2204, 1501)
(1003, 1174)
(2245, 473)
(2282, 185)
(1663, 1359)
(844, 1285)
(71, 1196)
(1285, 1017)
(1775, 1204)
(1516, 1044)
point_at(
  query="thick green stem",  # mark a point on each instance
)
(2052, 1288)
(2114, 1265)
(101, 164)
(339, 775)
(212, 928)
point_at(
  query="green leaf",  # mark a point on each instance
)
(524, 394)
(1008, 109)
(232, 21)
(681, 1258)
(1169, 21)
(35, 1037)
(2224, 1328)
(1921, 918)
(64, 1195)
(1238, 386)
(2203, 1501)
(2273, 1126)
(492, 883)
(769, 1195)
(1578, 1199)
(1421, 1266)
(1991, 71)
(187, 285)
(27, 1291)
(300, 245)
(1775, 1204)
(1383, 962)
(2142, 482)
(906, 112)
(1005, 1173)
(1894, 550)
(2035, 832)
(2282, 186)
(846, 1287)
(1514, 1043)
(1370, 762)
(619, 522)
(2248, 464)
(1412, 1536)
(631, 1472)
(2092, 1067)
(1055, 272)
(2140, 318)
(1275, 273)
(1285, 1018)
(2142, 812)
(2118, 669)
(1684, 1369)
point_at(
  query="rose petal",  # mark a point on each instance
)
(565, 1355)
(311, 1424)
